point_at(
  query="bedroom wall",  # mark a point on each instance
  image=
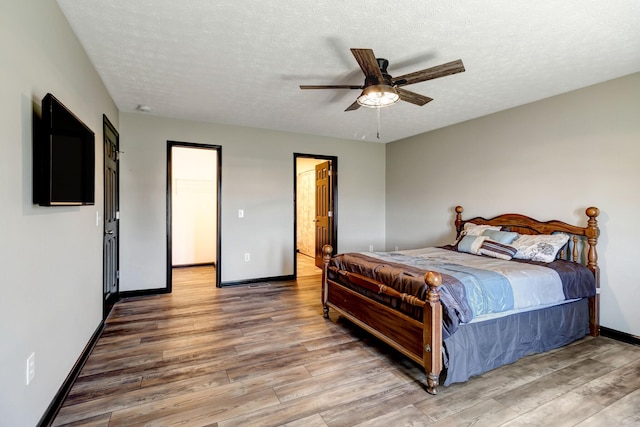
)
(551, 160)
(50, 257)
(257, 176)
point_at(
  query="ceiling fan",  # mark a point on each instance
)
(382, 90)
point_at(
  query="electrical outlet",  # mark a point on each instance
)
(247, 257)
(31, 368)
(240, 213)
(370, 248)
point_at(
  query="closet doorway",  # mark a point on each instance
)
(193, 207)
(315, 178)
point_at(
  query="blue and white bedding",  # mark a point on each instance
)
(492, 285)
(473, 287)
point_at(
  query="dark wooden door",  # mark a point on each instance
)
(111, 264)
(324, 209)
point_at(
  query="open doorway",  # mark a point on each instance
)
(193, 208)
(315, 178)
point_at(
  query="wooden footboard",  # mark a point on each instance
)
(420, 341)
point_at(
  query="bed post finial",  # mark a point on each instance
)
(458, 222)
(327, 251)
(592, 233)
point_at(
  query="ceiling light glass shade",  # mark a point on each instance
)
(377, 96)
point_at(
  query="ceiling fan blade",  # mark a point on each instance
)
(412, 97)
(367, 61)
(330, 87)
(442, 70)
(353, 106)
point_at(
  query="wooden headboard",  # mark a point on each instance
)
(582, 242)
(581, 247)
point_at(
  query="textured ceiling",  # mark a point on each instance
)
(241, 62)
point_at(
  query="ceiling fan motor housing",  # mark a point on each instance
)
(386, 78)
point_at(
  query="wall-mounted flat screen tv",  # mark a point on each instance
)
(64, 158)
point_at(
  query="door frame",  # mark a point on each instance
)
(334, 196)
(108, 303)
(218, 149)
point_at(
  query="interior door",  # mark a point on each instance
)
(324, 209)
(111, 265)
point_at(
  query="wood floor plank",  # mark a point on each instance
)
(210, 404)
(564, 411)
(613, 386)
(487, 413)
(97, 421)
(406, 416)
(623, 412)
(620, 355)
(133, 399)
(86, 390)
(198, 410)
(264, 356)
(308, 405)
(550, 387)
(343, 355)
(180, 373)
(362, 409)
(317, 384)
(102, 365)
(314, 420)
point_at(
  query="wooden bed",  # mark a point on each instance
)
(422, 341)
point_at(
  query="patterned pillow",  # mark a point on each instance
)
(541, 247)
(497, 250)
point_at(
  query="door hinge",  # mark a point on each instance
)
(118, 274)
(330, 214)
(118, 215)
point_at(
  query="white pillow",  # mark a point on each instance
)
(471, 229)
(539, 247)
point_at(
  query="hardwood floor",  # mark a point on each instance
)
(306, 266)
(263, 355)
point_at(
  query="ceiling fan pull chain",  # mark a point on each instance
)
(378, 114)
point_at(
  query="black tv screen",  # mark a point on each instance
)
(64, 158)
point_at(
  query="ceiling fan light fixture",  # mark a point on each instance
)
(378, 96)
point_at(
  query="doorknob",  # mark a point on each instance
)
(108, 232)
